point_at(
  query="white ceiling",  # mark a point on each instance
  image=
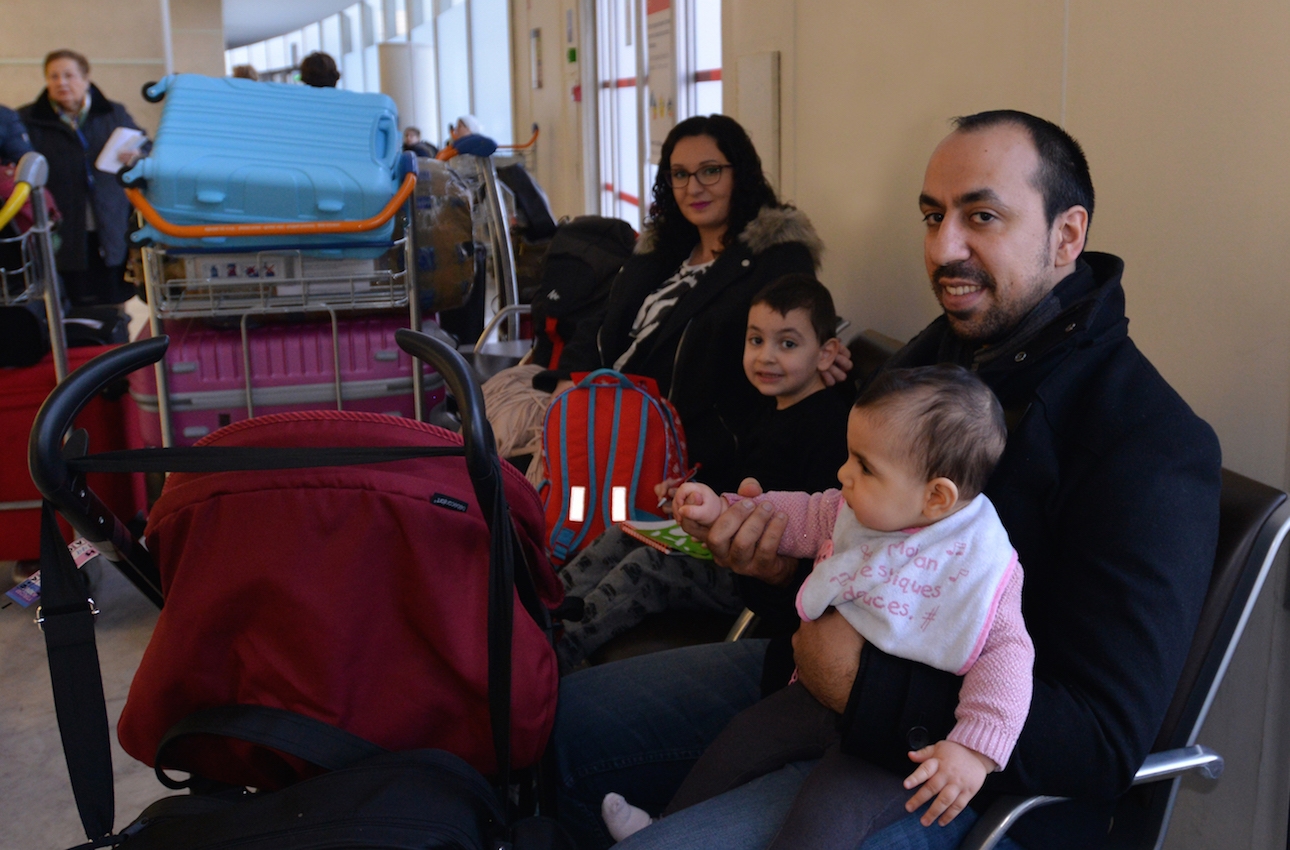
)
(249, 21)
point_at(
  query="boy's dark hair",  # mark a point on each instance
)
(801, 291)
(319, 70)
(955, 423)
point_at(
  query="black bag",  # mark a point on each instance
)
(584, 256)
(24, 334)
(24, 330)
(532, 206)
(96, 325)
(369, 797)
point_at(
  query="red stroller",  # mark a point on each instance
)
(328, 564)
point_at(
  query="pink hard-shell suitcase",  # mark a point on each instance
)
(292, 368)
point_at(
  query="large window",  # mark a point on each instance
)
(705, 75)
(438, 59)
(658, 62)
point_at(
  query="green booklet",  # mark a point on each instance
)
(666, 535)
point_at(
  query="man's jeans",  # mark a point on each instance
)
(637, 726)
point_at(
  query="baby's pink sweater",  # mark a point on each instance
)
(995, 697)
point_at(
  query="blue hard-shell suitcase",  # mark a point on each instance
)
(234, 151)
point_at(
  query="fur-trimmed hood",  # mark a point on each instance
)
(772, 226)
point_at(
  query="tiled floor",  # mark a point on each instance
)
(36, 806)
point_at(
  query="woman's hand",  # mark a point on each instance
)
(665, 490)
(837, 373)
(745, 538)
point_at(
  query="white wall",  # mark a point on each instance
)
(1184, 117)
(123, 43)
(559, 150)
(1184, 111)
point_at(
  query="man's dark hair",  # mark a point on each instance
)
(1063, 178)
(318, 69)
(751, 190)
(801, 291)
(955, 424)
(79, 59)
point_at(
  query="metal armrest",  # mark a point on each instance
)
(1167, 764)
(498, 317)
(1170, 763)
(746, 622)
(999, 818)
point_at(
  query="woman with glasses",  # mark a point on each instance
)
(678, 310)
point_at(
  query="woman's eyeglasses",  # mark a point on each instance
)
(707, 175)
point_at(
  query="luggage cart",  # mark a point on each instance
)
(279, 282)
(31, 283)
(36, 279)
(493, 222)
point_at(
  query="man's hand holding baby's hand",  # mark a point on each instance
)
(697, 503)
(952, 774)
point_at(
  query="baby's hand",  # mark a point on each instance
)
(698, 503)
(952, 774)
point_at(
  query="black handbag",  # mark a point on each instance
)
(368, 797)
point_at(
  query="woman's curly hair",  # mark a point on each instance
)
(751, 190)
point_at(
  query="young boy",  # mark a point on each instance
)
(914, 557)
(798, 445)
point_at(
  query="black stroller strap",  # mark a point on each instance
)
(287, 732)
(66, 616)
(243, 458)
(501, 612)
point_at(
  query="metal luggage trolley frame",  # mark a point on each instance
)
(331, 293)
(39, 278)
(500, 255)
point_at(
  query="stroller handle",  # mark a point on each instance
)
(486, 476)
(56, 416)
(55, 479)
(477, 434)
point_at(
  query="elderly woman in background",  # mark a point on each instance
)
(70, 122)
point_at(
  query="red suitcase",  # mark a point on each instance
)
(111, 424)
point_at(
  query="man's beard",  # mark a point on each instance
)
(991, 322)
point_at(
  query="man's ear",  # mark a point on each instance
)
(1070, 232)
(939, 498)
(828, 353)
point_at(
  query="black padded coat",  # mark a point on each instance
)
(71, 164)
(1109, 490)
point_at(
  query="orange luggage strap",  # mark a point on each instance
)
(273, 228)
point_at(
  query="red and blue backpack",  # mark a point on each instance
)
(607, 442)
